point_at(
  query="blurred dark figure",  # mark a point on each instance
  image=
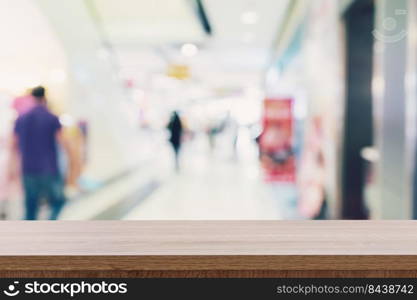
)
(211, 135)
(212, 131)
(176, 130)
(231, 129)
(37, 133)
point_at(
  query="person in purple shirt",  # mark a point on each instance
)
(37, 133)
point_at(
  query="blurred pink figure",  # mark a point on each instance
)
(4, 184)
(23, 104)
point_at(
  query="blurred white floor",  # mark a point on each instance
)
(217, 185)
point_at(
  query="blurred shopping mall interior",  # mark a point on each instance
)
(212, 109)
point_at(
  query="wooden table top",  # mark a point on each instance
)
(208, 245)
(208, 238)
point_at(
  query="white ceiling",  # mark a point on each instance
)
(146, 35)
(147, 22)
(226, 20)
(29, 51)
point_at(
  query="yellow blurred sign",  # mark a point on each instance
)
(179, 71)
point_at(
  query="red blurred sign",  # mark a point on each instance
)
(276, 141)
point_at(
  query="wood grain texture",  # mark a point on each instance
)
(208, 274)
(208, 249)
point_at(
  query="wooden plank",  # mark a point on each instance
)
(209, 249)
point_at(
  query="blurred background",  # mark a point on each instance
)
(198, 109)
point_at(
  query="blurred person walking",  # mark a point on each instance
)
(211, 132)
(231, 131)
(176, 130)
(36, 135)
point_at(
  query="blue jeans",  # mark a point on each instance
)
(49, 186)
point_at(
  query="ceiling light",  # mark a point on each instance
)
(249, 17)
(189, 50)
